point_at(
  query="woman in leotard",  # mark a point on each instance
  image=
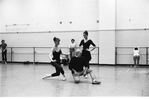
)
(55, 60)
(86, 47)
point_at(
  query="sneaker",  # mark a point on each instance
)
(64, 79)
(5, 62)
(46, 76)
(86, 76)
(96, 82)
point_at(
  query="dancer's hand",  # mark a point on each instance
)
(53, 60)
(85, 71)
(87, 50)
(74, 71)
(4, 50)
(84, 74)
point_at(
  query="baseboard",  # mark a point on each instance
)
(36, 63)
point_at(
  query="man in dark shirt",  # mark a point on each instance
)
(77, 65)
(3, 47)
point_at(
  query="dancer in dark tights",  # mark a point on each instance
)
(86, 48)
(55, 60)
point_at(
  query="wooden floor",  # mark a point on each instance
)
(18, 80)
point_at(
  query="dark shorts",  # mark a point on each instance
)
(72, 52)
(72, 49)
(136, 58)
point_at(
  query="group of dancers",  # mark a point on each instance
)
(79, 62)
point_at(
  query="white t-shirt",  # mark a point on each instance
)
(72, 45)
(136, 52)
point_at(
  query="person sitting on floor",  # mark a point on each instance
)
(77, 64)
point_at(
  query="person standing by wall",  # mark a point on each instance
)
(136, 56)
(3, 47)
(72, 48)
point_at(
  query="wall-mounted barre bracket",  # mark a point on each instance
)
(16, 25)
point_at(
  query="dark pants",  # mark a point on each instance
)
(136, 60)
(58, 69)
(4, 56)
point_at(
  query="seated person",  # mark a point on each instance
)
(77, 64)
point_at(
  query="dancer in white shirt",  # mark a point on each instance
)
(136, 56)
(72, 48)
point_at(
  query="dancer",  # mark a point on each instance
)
(136, 56)
(72, 48)
(3, 47)
(76, 66)
(55, 60)
(86, 44)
